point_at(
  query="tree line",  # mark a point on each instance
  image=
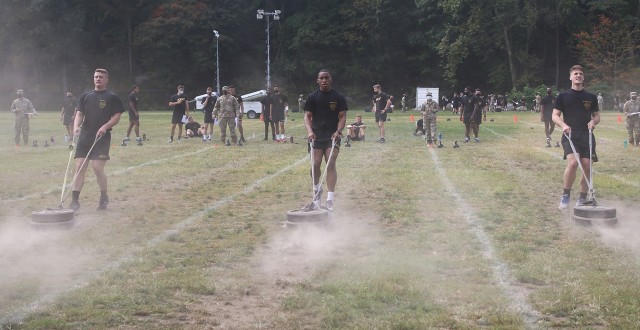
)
(50, 46)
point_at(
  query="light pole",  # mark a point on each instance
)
(215, 32)
(276, 17)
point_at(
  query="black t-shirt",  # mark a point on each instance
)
(278, 101)
(266, 102)
(208, 107)
(69, 106)
(468, 102)
(548, 103)
(577, 108)
(380, 100)
(480, 103)
(133, 98)
(182, 107)
(193, 126)
(239, 98)
(324, 107)
(98, 107)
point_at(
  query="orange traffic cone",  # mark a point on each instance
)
(515, 118)
(411, 118)
(619, 118)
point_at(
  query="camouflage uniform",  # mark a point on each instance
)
(226, 110)
(428, 110)
(21, 109)
(633, 120)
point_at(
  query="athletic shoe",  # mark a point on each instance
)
(104, 201)
(580, 202)
(75, 206)
(265, 139)
(330, 205)
(170, 140)
(127, 139)
(317, 195)
(466, 140)
(476, 140)
(312, 206)
(564, 202)
(381, 140)
(242, 139)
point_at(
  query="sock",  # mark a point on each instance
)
(75, 194)
(567, 192)
(317, 187)
(330, 196)
(583, 195)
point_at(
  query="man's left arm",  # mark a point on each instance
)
(595, 119)
(342, 121)
(31, 109)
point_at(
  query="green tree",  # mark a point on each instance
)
(607, 49)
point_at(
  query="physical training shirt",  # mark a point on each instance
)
(208, 108)
(277, 103)
(380, 100)
(98, 107)
(181, 107)
(548, 102)
(133, 98)
(324, 107)
(577, 108)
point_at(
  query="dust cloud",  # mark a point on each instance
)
(626, 233)
(35, 264)
(294, 253)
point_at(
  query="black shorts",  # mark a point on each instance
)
(133, 116)
(581, 143)
(381, 117)
(466, 117)
(324, 145)
(208, 118)
(176, 118)
(546, 116)
(277, 116)
(100, 150)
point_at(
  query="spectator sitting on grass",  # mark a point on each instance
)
(193, 128)
(356, 130)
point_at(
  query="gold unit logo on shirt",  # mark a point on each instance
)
(102, 104)
(587, 105)
(332, 105)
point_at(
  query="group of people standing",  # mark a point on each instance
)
(227, 110)
(275, 111)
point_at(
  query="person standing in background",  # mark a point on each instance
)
(22, 110)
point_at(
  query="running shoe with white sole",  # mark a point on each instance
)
(564, 202)
(330, 205)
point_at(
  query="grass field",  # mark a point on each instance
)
(421, 238)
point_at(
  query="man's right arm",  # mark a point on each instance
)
(308, 116)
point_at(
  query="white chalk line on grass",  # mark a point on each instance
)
(501, 271)
(118, 172)
(614, 176)
(19, 315)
